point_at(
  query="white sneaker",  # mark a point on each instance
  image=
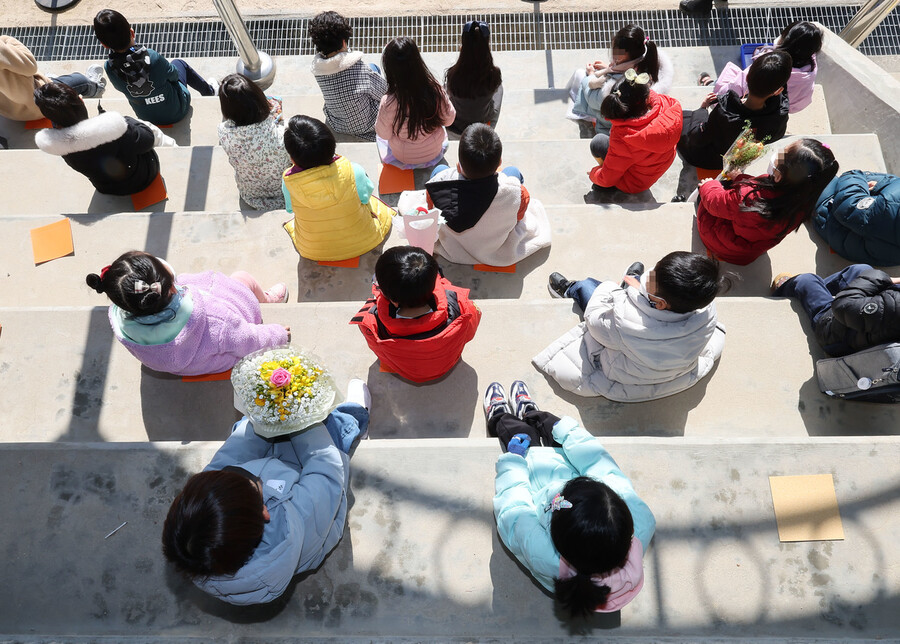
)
(358, 392)
(214, 84)
(95, 73)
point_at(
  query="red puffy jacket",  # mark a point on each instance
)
(425, 347)
(641, 149)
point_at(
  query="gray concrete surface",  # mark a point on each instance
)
(420, 557)
(764, 385)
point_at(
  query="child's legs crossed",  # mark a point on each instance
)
(190, 78)
(504, 426)
(811, 291)
(250, 282)
(346, 423)
(841, 280)
(582, 290)
(542, 422)
(513, 171)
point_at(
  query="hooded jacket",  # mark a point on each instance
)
(422, 348)
(491, 221)
(150, 83)
(641, 149)
(706, 136)
(335, 215)
(860, 224)
(224, 326)
(863, 315)
(729, 233)
(628, 351)
(352, 92)
(305, 480)
(115, 152)
(19, 78)
(525, 487)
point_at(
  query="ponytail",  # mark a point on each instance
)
(650, 64)
(636, 44)
(628, 100)
(579, 595)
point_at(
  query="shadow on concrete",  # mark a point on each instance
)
(198, 178)
(491, 285)
(317, 283)
(405, 409)
(181, 131)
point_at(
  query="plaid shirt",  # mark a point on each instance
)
(351, 97)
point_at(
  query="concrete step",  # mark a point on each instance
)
(555, 172)
(64, 377)
(420, 559)
(523, 117)
(587, 240)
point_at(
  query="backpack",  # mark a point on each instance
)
(870, 375)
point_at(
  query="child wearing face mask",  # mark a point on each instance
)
(188, 325)
(654, 335)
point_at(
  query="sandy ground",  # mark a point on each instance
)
(14, 13)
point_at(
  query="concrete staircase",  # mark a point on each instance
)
(91, 439)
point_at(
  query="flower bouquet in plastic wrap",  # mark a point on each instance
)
(745, 150)
(283, 390)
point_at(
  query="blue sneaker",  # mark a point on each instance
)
(495, 401)
(521, 398)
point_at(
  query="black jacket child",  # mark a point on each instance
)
(863, 315)
(706, 136)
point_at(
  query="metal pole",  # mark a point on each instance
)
(256, 65)
(870, 15)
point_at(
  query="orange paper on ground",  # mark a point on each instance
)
(38, 124)
(806, 508)
(52, 241)
(208, 377)
(392, 179)
(487, 268)
(154, 193)
(353, 262)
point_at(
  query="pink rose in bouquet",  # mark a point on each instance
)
(280, 377)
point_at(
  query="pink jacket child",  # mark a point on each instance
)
(191, 325)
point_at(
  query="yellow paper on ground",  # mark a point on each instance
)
(52, 241)
(806, 508)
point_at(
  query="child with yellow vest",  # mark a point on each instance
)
(335, 215)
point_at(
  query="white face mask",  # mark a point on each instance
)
(773, 161)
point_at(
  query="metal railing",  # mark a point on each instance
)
(256, 65)
(870, 15)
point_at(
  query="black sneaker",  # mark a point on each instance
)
(495, 401)
(521, 398)
(696, 7)
(635, 271)
(558, 285)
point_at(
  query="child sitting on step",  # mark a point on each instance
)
(336, 216)
(653, 336)
(565, 510)
(489, 216)
(189, 325)
(740, 220)
(412, 115)
(474, 84)
(264, 510)
(854, 309)
(707, 135)
(416, 321)
(640, 147)
(155, 88)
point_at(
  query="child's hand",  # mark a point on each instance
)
(702, 181)
(872, 184)
(519, 444)
(630, 280)
(288, 329)
(709, 100)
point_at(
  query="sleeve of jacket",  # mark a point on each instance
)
(870, 288)
(732, 78)
(593, 98)
(851, 188)
(16, 57)
(237, 337)
(720, 201)
(616, 163)
(384, 124)
(241, 446)
(599, 318)
(364, 185)
(517, 520)
(377, 85)
(589, 458)
(447, 109)
(147, 136)
(159, 62)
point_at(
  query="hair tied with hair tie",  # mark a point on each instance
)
(558, 503)
(142, 287)
(646, 39)
(636, 79)
(103, 272)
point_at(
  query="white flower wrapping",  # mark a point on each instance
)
(274, 411)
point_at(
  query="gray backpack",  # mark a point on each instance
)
(870, 375)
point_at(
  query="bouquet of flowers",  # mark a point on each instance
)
(282, 390)
(744, 151)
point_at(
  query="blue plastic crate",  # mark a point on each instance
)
(748, 50)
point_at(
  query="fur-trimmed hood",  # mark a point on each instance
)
(83, 136)
(322, 66)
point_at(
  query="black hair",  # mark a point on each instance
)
(806, 167)
(474, 74)
(688, 281)
(328, 31)
(214, 524)
(632, 40)
(406, 275)
(119, 279)
(420, 98)
(802, 40)
(769, 73)
(242, 100)
(594, 537)
(309, 142)
(112, 29)
(480, 151)
(627, 101)
(60, 103)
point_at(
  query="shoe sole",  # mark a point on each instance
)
(555, 294)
